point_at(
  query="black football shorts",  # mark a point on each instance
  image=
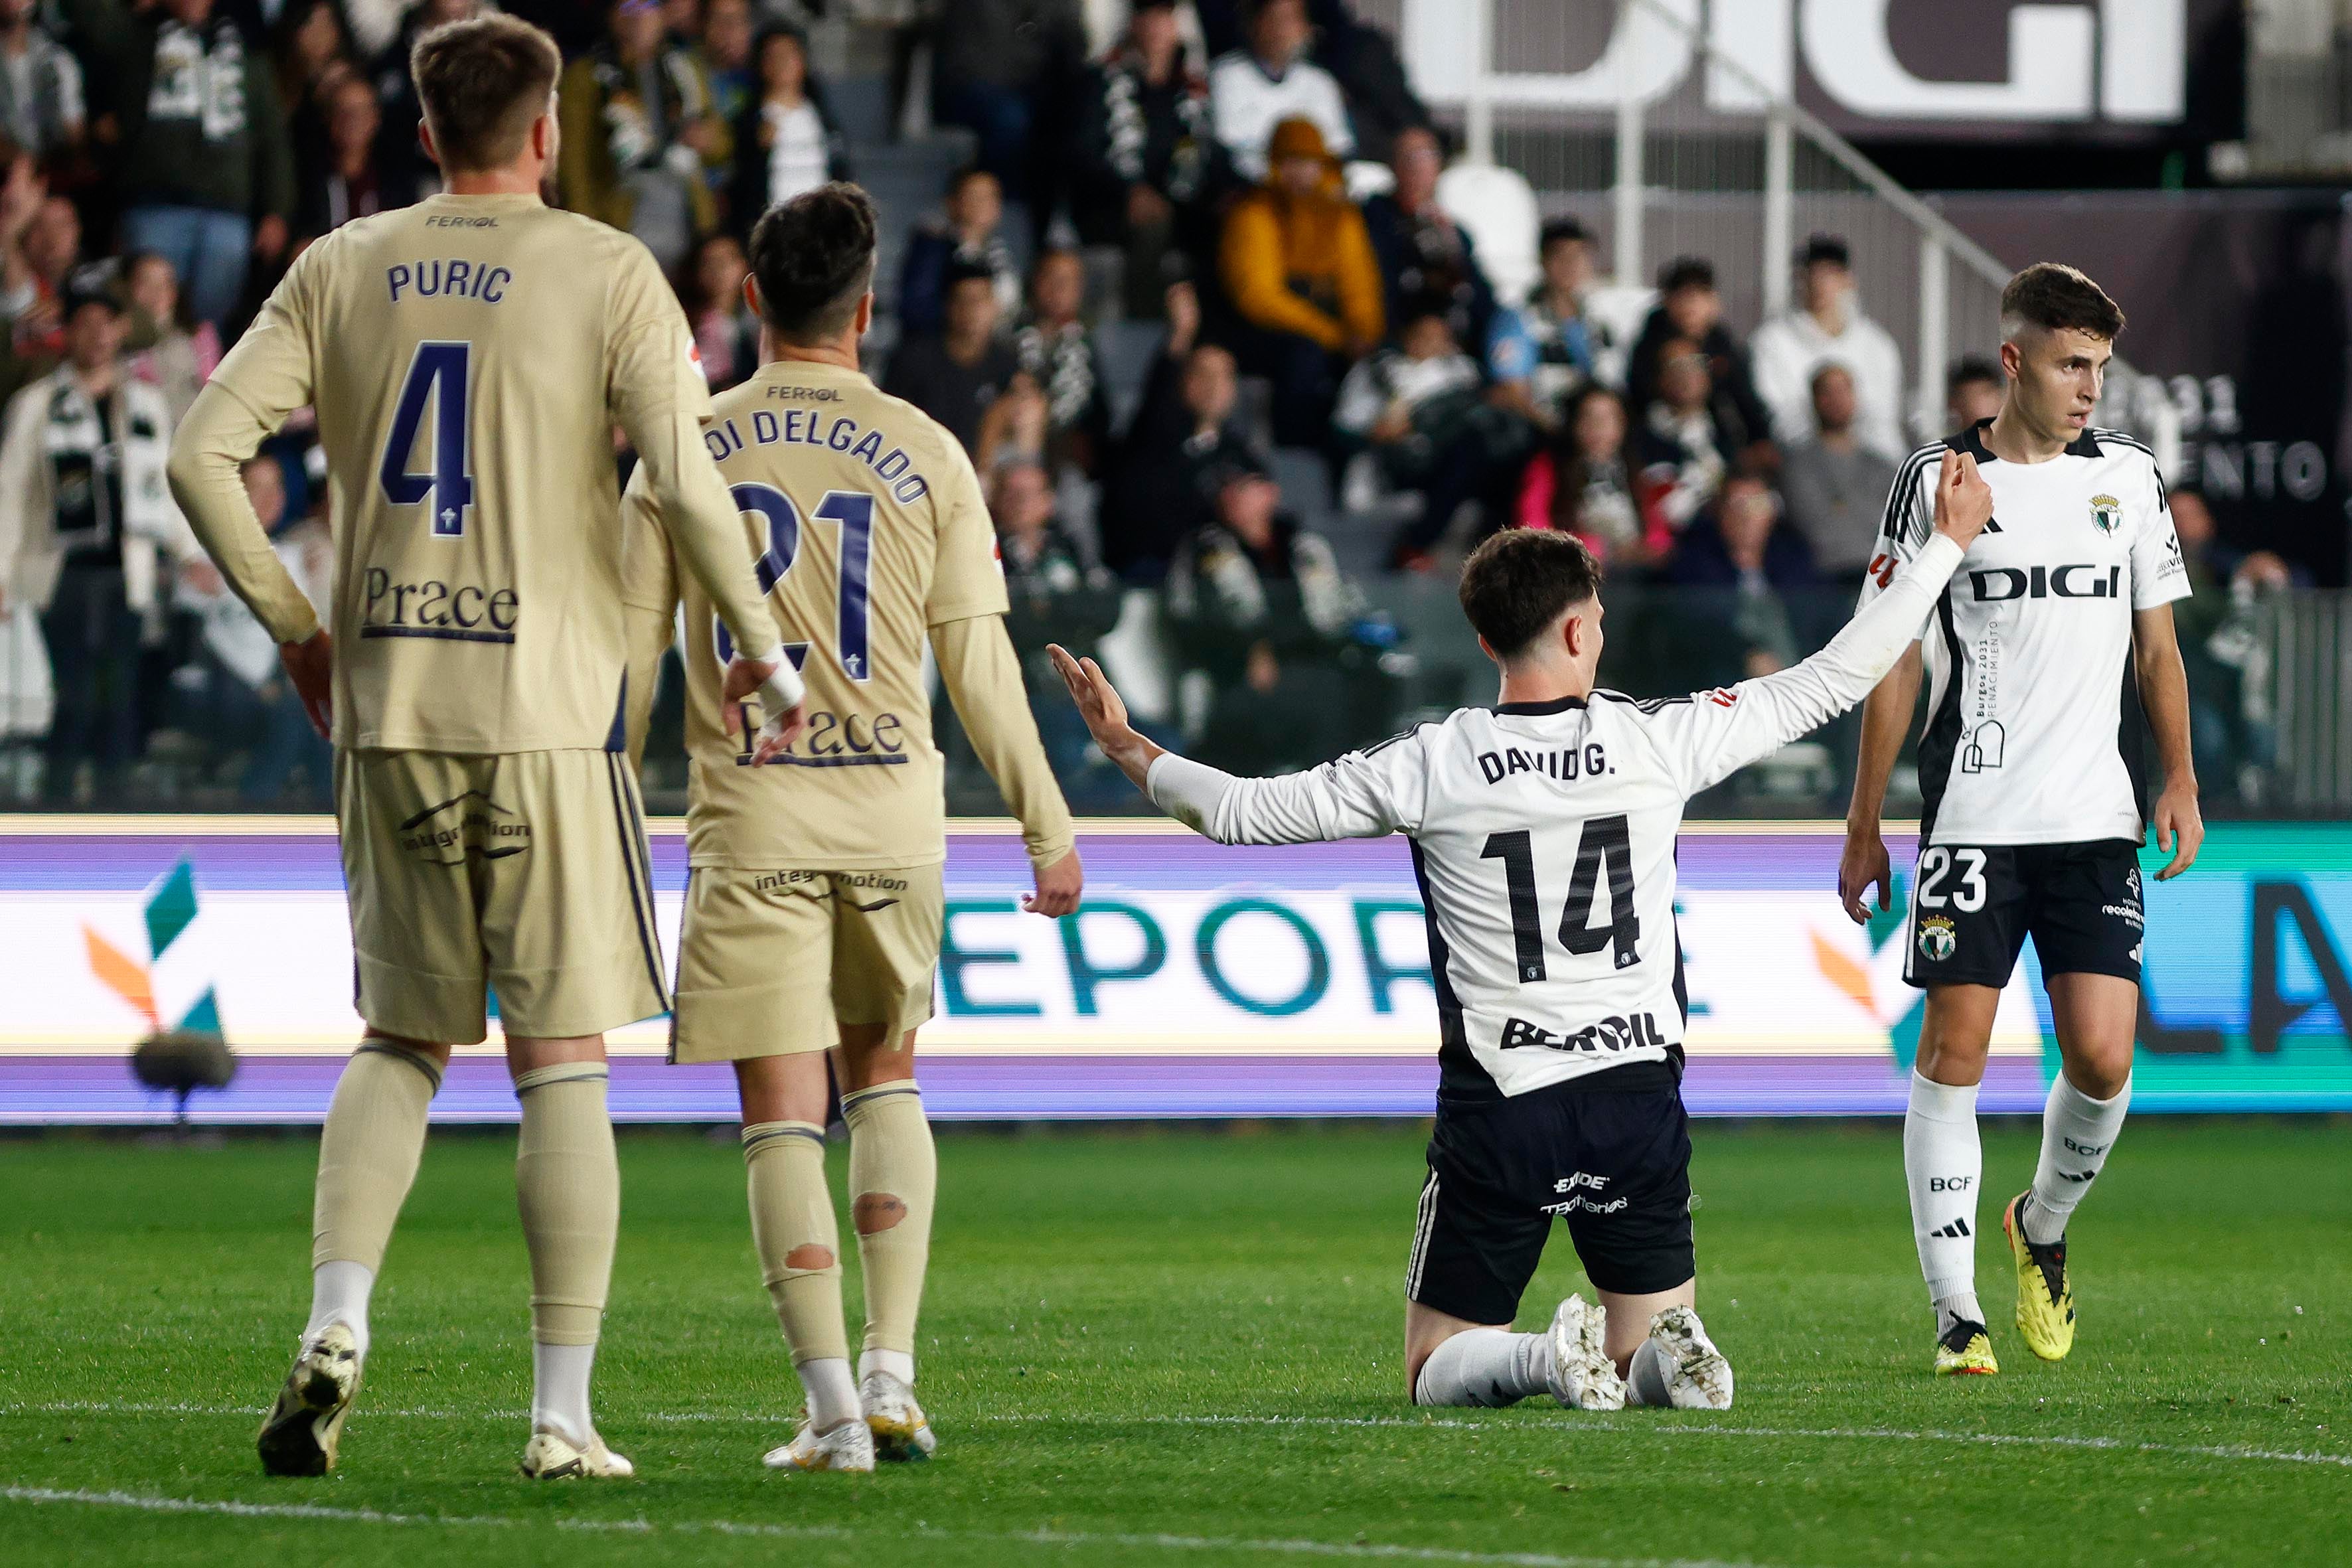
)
(1972, 908)
(1615, 1164)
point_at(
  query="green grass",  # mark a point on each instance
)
(1095, 1299)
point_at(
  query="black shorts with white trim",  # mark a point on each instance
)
(1972, 908)
(1609, 1155)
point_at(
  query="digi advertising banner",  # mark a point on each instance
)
(1199, 981)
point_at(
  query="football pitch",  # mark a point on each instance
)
(1178, 1346)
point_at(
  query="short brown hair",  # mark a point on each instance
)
(482, 82)
(2057, 298)
(1520, 580)
(813, 258)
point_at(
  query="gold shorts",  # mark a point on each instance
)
(773, 963)
(524, 874)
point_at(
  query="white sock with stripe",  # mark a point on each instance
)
(1484, 1367)
(1943, 1162)
(2077, 1132)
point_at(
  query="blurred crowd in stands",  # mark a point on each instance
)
(1238, 381)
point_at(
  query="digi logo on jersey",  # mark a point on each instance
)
(1994, 584)
(1598, 1038)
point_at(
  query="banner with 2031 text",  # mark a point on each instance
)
(1199, 981)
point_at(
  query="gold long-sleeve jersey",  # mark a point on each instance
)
(469, 359)
(871, 534)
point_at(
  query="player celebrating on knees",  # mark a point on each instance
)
(1543, 838)
(467, 358)
(2034, 801)
(813, 908)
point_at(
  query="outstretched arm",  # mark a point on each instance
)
(1720, 733)
(1360, 795)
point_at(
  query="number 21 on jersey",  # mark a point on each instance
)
(854, 512)
(440, 375)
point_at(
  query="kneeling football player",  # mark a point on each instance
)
(1543, 838)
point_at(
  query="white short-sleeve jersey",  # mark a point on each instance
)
(2033, 732)
(1543, 838)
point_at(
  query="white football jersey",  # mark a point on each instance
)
(1543, 838)
(2034, 727)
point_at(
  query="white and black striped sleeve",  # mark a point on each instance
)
(1362, 794)
(1707, 738)
(1907, 523)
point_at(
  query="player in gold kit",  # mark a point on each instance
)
(812, 907)
(468, 359)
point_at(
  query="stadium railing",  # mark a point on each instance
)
(1668, 144)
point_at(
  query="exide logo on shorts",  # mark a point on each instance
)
(432, 608)
(2068, 582)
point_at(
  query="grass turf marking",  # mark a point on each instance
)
(683, 1418)
(1152, 1540)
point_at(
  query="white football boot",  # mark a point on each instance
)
(1582, 1377)
(847, 1447)
(552, 1457)
(300, 1436)
(1679, 1365)
(901, 1431)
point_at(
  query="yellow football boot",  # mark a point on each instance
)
(2045, 1296)
(1965, 1351)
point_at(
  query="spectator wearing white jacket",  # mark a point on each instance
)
(1829, 327)
(1253, 90)
(88, 531)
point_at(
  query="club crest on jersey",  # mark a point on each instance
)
(1938, 940)
(2106, 512)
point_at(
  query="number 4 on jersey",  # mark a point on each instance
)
(438, 374)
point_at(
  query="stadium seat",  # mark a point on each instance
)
(1306, 482)
(861, 108)
(1498, 207)
(907, 180)
(1106, 283)
(1134, 655)
(1129, 348)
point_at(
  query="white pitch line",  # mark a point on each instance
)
(1627, 1428)
(1155, 1540)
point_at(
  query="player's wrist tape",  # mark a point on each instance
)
(782, 689)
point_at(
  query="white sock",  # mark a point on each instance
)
(831, 1392)
(338, 1294)
(897, 1363)
(2076, 1133)
(1646, 1375)
(1944, 1164)
(558, 1391)
(1486, 1367)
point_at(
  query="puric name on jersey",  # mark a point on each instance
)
(450, 277)
(808, 427)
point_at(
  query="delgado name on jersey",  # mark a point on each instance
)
(2034, 730)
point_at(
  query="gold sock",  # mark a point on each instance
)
(568, 1187)
(798, 1239)
(893, 1177)
(368, 1152)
